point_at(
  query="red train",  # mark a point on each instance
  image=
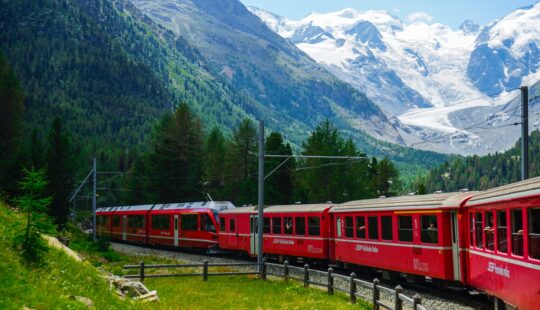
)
(487, 240)
(187, 225)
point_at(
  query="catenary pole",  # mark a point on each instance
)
(94, 203)
(524, 132)
(260, 197)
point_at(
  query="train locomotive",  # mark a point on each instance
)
(487, 240)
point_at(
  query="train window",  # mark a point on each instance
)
(478, 230)
(266, 225)
(288, 228)
(373, 227)
(502, 242)
(430, 230)
(189, 222)
(221, 224)
(405, 228)
(517, 232)
(161, 222)
(276, 225)
(207, 224)
(361, 227)
(136, 221)
(116, 220)
(349, 227)
(314, 226)
(300, 226)
(489, 232)
(386, 226)
(232, 225)
(534, 233)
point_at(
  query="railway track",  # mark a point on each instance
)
(432, 297)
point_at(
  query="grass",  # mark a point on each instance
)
(50, 285)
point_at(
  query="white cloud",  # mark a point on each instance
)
(396, 10)
(419, 17)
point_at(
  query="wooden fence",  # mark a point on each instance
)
(306, 279)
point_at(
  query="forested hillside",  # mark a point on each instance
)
(480, 173)
(105, 73)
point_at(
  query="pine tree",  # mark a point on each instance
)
(11, 122)
(34, 204)
(172, 171)
(242, 164)
(60, 162)
(215, 163)
(280, 186)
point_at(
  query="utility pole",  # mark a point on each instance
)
(94, 202)
(524, 132)
(261, 197)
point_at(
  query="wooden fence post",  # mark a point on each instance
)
(306, 276)
(286, 270)
(399, 303)
(417, 300)
(205, 270)
(376, 283)
(330, 281)
(263, 270)
(141, 272)
(352, 289)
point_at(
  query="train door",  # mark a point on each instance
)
(175, 230)
(455, 246)
(254, 236)
(124, 227)
(232, 237)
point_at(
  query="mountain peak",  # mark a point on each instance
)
(469, 27)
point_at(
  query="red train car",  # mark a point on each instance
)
(186, 225)
(297, 231)
(236, 230)
(129, 223)
(416, 235)
(504, 243)
(103, 222)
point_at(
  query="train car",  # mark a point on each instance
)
(300, 232)
(415, 235)
(186, 225)
(236, 229)
(504, 243)
(129, 223)
(104, 222)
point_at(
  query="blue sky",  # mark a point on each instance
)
(451, 13)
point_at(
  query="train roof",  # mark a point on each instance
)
(241, 210)
(134, 208)
(214, 205)
(283, 208)
(415, 202)
(511, 191)
(299, 208)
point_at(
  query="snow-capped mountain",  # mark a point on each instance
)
(426, 75)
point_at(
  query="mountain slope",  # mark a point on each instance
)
(436, 81)
(272, 70)
(104, 68)
(481, 173)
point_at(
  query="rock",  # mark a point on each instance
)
(83, 300)
(53, 242)
(134, 289)
(150, 297)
